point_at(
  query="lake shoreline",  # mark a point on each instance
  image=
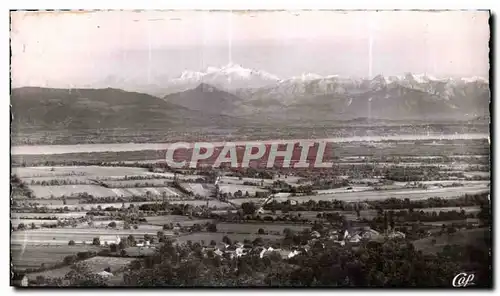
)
(125, 147)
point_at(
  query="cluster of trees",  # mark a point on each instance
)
(40, 218)
(181, 188)
(56, 182)
(441, 159)
(240, 194)
(238, 218)
(18, 188)
(414, 216)
(312, 205)
(34, 207)
(59, 223)
(332, 183)
(249, 209)
(109, 199)
(250, 172)
(388, 264)
(433, 202)
(68, 260)
(196, 227)
(407, 174)
(137, 178)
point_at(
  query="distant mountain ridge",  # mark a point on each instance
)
(233, 76)
(206, 98)
(69, 111)
(232, 96)
(249, 92)
(309, 97)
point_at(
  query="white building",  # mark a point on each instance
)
(396, 234)
(143, 244)
(355, 238)
(371, 234)
(108, 240)
(105, 274)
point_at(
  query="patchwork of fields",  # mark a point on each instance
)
(61, 236)
(32, 247)
(32, 256)
(199, 189)
(414, 194)
(95, 264)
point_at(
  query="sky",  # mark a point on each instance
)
(60, 49)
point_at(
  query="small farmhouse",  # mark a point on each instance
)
(108, 240)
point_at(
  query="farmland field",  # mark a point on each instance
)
(183, 220)
(450, 222)
(470, 236)
(62, 171)
(61, 236)
(55, 204)
(140, 251)
(199, 189)
(237, 181)
(74, 179)
(96, 264)
(386, 194)
(344, 189)
(146, 228)
(133, 183)
(27, 222)
(217, 237)
(98, 191)
(254, 227)
(127, 182)
(244, 188)
(30, 256)
(370, 214)
(45, 215)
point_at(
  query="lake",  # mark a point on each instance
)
(122, 147)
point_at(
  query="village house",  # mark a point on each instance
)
(315, 234)
(341, 243)
(218, 252)
(284, 253)
(268, 250)
(356, 238)
(333, 235)
(352, 236)
(396, 234)
(108, 240)
(370, 234)
(143, 244)
(105, 274)
(222, 246)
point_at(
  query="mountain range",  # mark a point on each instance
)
(233, 96)
(309, 96)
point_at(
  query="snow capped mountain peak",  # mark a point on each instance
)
(191, 75)
(229, 76)
(307, 77)
(234, 76)
(474, 79)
